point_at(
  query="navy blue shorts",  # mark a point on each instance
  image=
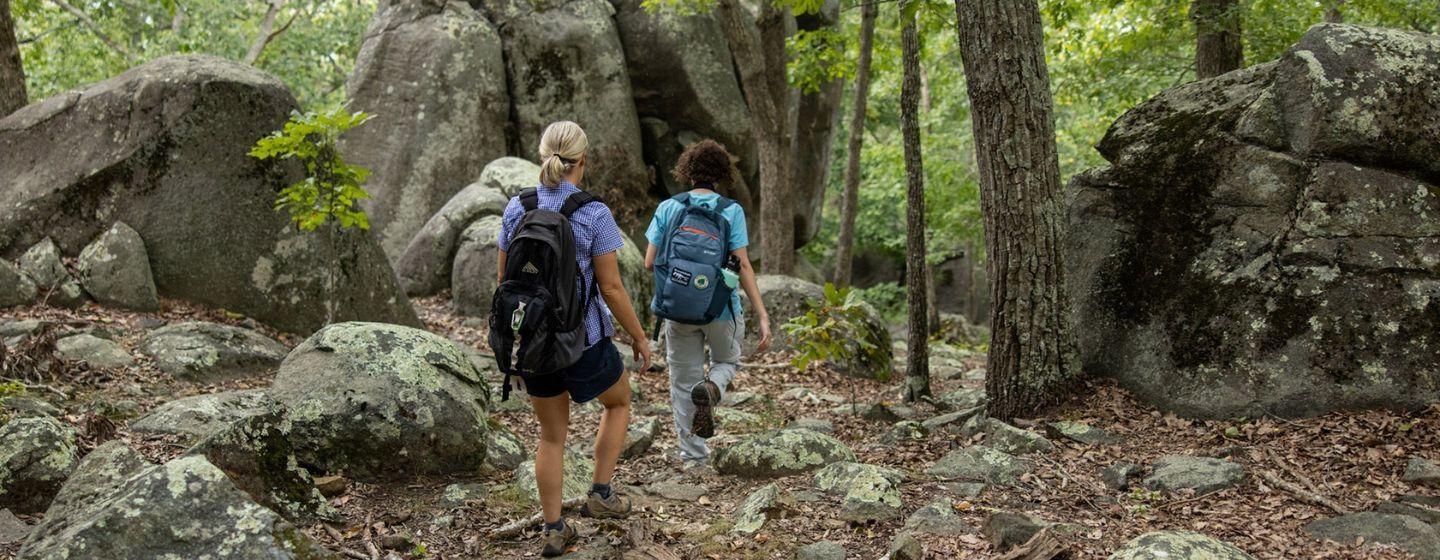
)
(598, 368)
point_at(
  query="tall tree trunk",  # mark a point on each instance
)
(917, 363)
(1032, 350)
(1217, 37)
(769, 117)
(1332, 11)
(12, 72)
(845, 244)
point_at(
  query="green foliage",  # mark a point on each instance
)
(313, 55)
(833, 329)
(886, 297)
(331, 189)
(818, 57)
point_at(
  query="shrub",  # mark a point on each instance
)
(835, 330)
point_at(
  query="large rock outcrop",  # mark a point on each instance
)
(1267, 241)
(383, 402)
(433, 74)
(164, 148)
(425, 267)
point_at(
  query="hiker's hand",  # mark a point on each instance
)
(642, 353)
(764, 335)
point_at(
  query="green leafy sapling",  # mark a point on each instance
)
(329, 195)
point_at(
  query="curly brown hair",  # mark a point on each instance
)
(705, 161)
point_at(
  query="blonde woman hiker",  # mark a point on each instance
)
(552, 320)
(697, 253)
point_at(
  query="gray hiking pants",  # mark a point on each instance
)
(685, 352)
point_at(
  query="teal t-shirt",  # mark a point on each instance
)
(739, 235)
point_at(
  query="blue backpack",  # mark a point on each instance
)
(689, 286)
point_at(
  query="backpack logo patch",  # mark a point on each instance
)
(702, 282)
(530, 268)
(680, 277)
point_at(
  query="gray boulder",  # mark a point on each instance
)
(201, 416)
(1201, 474)
(458, 494)
(1411, 534)
(190, 510)
(474, 277)
(963, 398)
(143, 148)
(24, 406)
(565, 61)
(951, 421)
(640, 437)
(425, 267)
(93, 350)
(37, 454)
(1422, 472)
(12, 529)
(905, 431)
(937, 517)
(115, 270)
(256, 454)
(1178, 545)
(504, 450)
(206, 352)
(871, 493)
(433, 74)
(980, 464)
(906, 547)
(104, 468)
(823, 550)
(1006, 530)
(837, 477)
(750, 516)
(16, 288)
(816, 424)
(1427, 514)
(1013, 440)
(780, 453)
(509, 175)
(384, 402)
(45, 267)
(1220, 261)
(1080, 432)
(1117, 476)
(579, 472)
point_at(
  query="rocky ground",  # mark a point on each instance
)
(1261, 481)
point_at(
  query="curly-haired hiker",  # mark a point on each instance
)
(697, 253)
(552, 323)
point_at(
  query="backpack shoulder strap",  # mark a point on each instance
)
(723, 203)
(682, 198)
(577, 201)
(530, 199)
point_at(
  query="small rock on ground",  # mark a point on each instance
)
(37, 454)
(15, 287)
(1178, 545)
(1422, 472)
(676, 490)
(980, 463)
(905, 547)
(816, 424)
(751, 515)
(1201, 474)
(457, 494)
(1007, 530)
(1117, 476)
(115, 270)
(1411, 534)
(781, 453)
(93, 350)
(1080, 432)
(823, 550)
(937, 517)
(1013, 440)
(12, 529)
(206, 352)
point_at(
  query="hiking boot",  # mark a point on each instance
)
(601, 508)
(705, 395)
(556, 541)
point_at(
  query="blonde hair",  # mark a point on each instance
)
(561, 146)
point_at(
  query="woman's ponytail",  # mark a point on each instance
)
(561, 146)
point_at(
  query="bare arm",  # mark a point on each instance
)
(752, 291)
(500, 270)
(607, 275)
(650, 252)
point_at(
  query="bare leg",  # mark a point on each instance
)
(554, 416)
(613, 424)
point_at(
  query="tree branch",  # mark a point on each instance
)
(95, 29)
(266, 34)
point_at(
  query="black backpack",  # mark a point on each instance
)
(537, 315)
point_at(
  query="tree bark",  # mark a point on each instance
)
(1032, 350)
(12, 71)
(845, 243)
(1218, 48)
(917, 363)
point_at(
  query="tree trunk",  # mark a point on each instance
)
(845, 244)
(769, 117)
(12, 72)
(932, 303)
(917, 363)
(1217, 37)
(1032, 351)
(1332, 11)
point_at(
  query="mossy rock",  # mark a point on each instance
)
(1178, 545)
(981, 464)
(779, 453)
(37, 454)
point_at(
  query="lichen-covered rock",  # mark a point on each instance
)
(1178, 545)
(906, 547)
(115, 270)
(1265, 241)
(382, 401)
(185, 508)
(1007, 530)
(425, 267)
(952, 420)
(164, 147)
(981, 464)
(903, 431)
(42, 263)
(737, 421)
(823, 550)
(639, 437)
(751, 514)
(25, 406)
(201, 416)
(1118, 475)
(458, 494)
(93, 350)
(206, 352)
(1080, 432)
(565, 61)
(1201, 474)
(937, 517)
(837, 477)
(255, 452)
(96, 475)
(816, 424)
(509, 175)
(579, 472)
(433, 74)
(870, 496)
(963, 398)
(37, 454)
(1422, 472)
(16, 288)
(1014, 440)
(780, 453)
(504, 450)
(474, 277)
(1411, 534)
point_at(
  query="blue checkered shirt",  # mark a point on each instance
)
(596, 233)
